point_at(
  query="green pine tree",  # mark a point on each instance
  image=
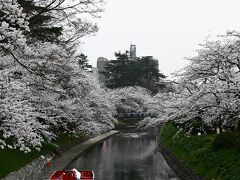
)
(40, 22)
(118, 71)
(143, 72)
(83, 62)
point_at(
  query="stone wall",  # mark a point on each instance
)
(32, 171)
(177, 165)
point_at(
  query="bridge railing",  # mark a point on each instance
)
(134, 115)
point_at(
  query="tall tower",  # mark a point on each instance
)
(133, 52)
(101, 66)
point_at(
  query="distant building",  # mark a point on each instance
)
(101, 67)
(150, 58)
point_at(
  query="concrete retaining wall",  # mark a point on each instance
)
(177, 165)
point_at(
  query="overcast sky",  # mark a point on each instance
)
(169, 30)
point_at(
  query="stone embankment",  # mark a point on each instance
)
(177, 165)
(43, 168)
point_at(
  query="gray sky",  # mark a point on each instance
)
(169, 30)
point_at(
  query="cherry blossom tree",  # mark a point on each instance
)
(18, 117)
(13, 23)
(212, 80)
(65, 100)
(44, 92)
(207, 90)
(130, 99)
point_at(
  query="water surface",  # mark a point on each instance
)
(128, 155)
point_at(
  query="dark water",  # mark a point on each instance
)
(128, 155)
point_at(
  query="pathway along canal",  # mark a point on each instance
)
(128, 155)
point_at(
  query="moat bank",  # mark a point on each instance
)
(200, 154)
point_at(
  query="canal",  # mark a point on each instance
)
(128, 155)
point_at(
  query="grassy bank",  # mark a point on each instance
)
(200, 154)
(12, 160)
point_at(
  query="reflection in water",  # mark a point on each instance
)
(126, 156)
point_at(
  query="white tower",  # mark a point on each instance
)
(133, 52)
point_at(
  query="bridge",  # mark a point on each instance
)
(138, 116)
(127, 120)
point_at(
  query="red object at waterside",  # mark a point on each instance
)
(72, 175)
(87, 175)
(49, 163)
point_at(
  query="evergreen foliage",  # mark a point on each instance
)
(40, 21)
(83, 62)
(124, 72)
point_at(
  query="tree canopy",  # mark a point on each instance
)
(124, 72)
(207, 90)
(44, 89)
